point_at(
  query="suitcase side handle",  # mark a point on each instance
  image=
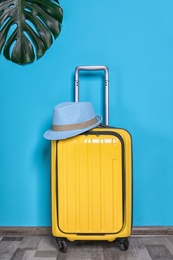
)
(106, 97)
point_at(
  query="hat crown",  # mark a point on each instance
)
(72, 112)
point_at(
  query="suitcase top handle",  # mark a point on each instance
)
(92, 68)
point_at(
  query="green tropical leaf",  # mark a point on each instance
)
(28, 28)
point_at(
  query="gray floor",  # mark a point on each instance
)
(44, 247)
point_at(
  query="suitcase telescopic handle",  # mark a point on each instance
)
(106, 89)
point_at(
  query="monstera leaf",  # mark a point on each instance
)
(28, 28)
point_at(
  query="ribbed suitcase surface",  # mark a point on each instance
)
(90, 190)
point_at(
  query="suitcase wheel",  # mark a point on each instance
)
(62, 244)
(124, 244)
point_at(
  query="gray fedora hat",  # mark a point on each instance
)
(71, 119)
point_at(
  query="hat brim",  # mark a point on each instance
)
(58, 135)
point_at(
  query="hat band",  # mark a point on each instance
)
(74, 126)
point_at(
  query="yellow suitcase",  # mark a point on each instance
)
(92, 186)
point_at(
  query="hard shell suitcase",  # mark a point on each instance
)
(92, 182)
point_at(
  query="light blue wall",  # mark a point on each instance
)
(135, 40)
